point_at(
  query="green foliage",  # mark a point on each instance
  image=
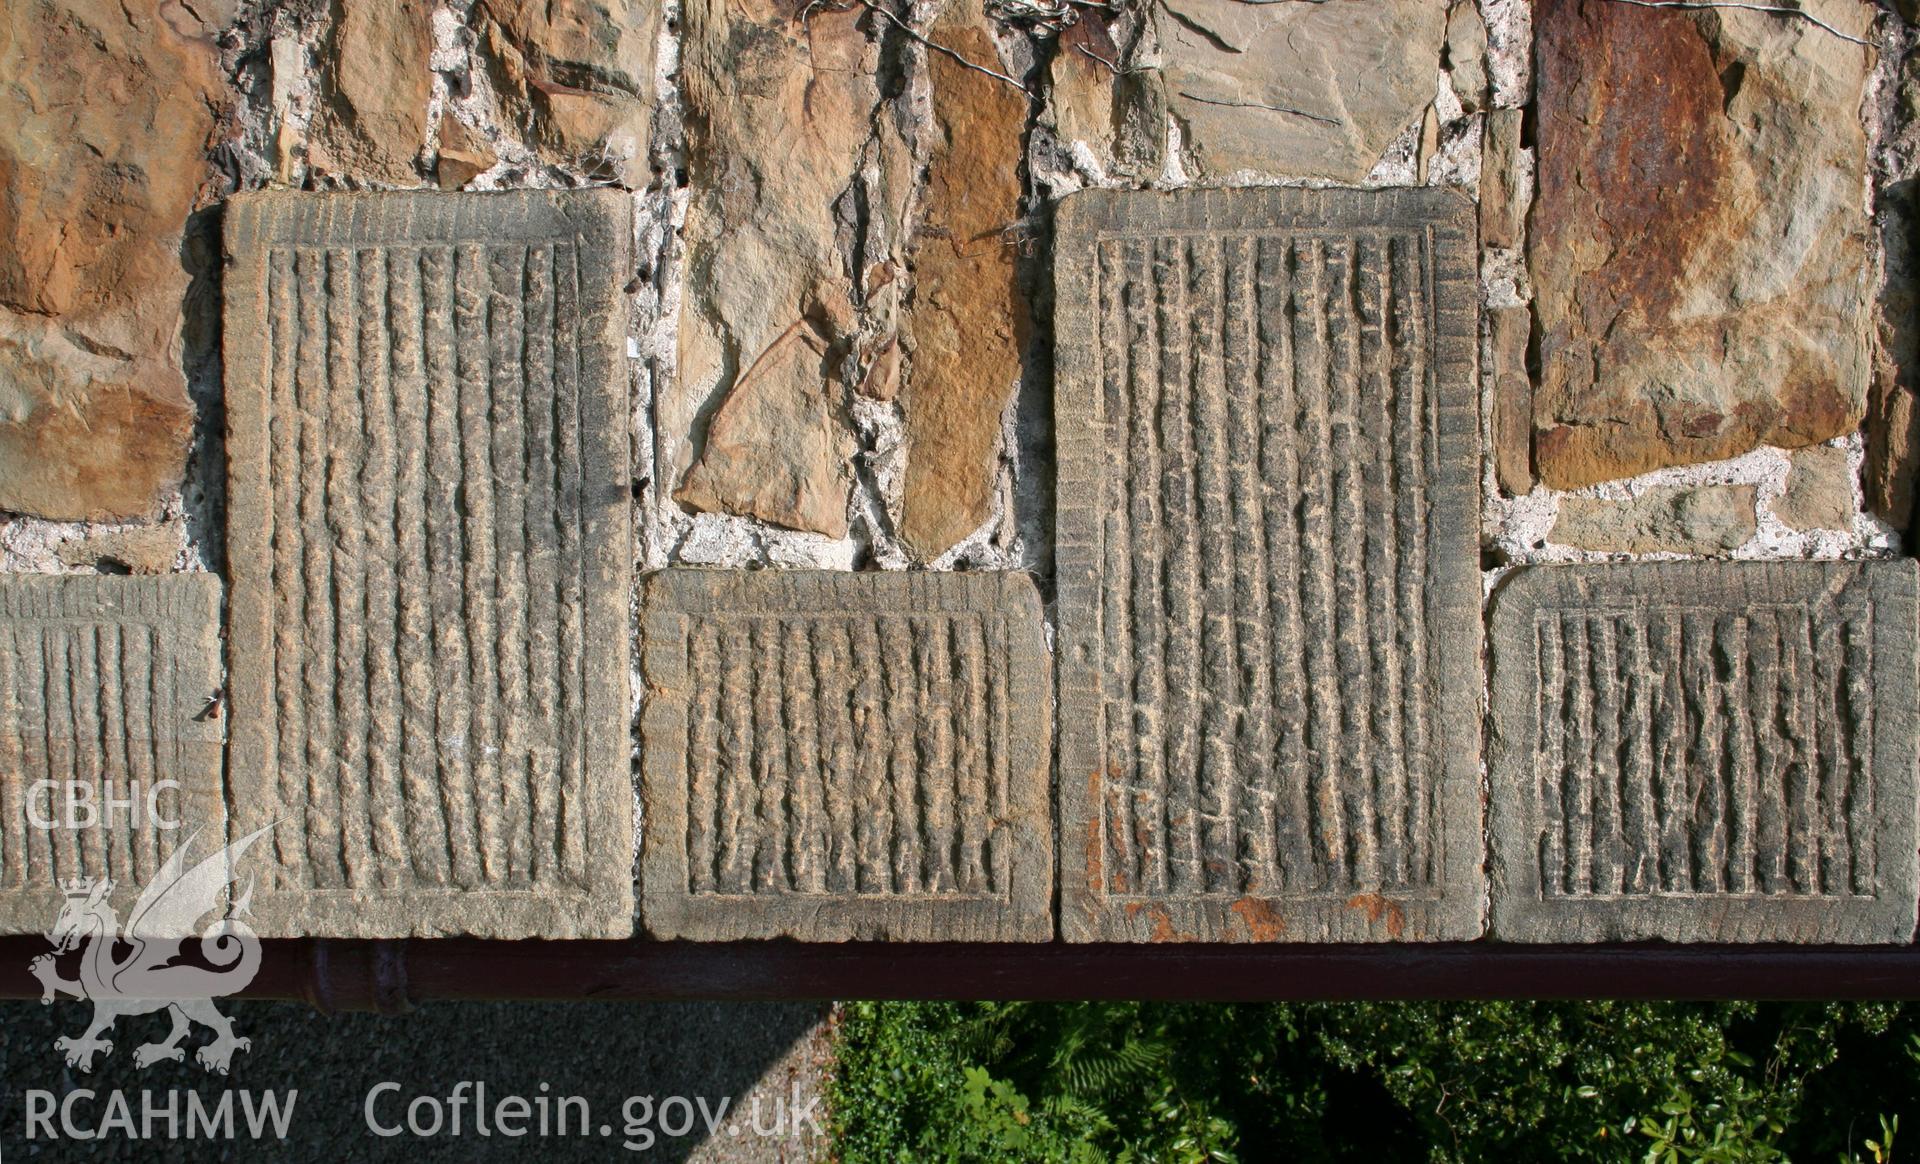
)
(1612, 1081)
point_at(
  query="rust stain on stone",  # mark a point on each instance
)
(1163, 930)
(1696, 245)
(1093, 33)
(1654, 163)
(968, 318)
(1094, 852)
(1378, 907)
(1262, 922)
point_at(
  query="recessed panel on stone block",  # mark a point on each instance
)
(831, 756)
(1711, 752)
(1269, 588)
(110, 735)
(427, 441)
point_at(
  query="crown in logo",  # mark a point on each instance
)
(78, 887)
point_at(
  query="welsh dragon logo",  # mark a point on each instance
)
(152, 975)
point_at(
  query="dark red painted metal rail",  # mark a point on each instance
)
(390, 976)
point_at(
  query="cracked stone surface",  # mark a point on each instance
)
(110, 684)
(1219, 350)
(151, 549)
(1316, 90)
(1741, 767)
(431, 561)
(463, 155)
(833, 756)
(576, 77)
(778, 116)
(1100, 103)
(777, 447)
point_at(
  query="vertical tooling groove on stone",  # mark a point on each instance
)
(1705, 752)
(1269, 593)
(106, 684)
(833, 756)
(428, 459)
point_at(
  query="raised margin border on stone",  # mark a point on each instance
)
(668, 910)
(601, 220)
(1088, 915)
(193, 653)
(1519, 911)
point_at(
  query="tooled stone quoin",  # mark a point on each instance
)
(427, 457)
(1269, 590)
(845, 755)
(1704, 751)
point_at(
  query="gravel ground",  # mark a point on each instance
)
(607, 1053)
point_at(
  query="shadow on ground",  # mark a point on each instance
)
(605, 1052)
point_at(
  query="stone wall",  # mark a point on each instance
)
(841, 309)
(1696, 268)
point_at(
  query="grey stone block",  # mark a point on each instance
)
(427, 441)
(107, 687)
(1267, 549)
(1698, 751)
(832, 756)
